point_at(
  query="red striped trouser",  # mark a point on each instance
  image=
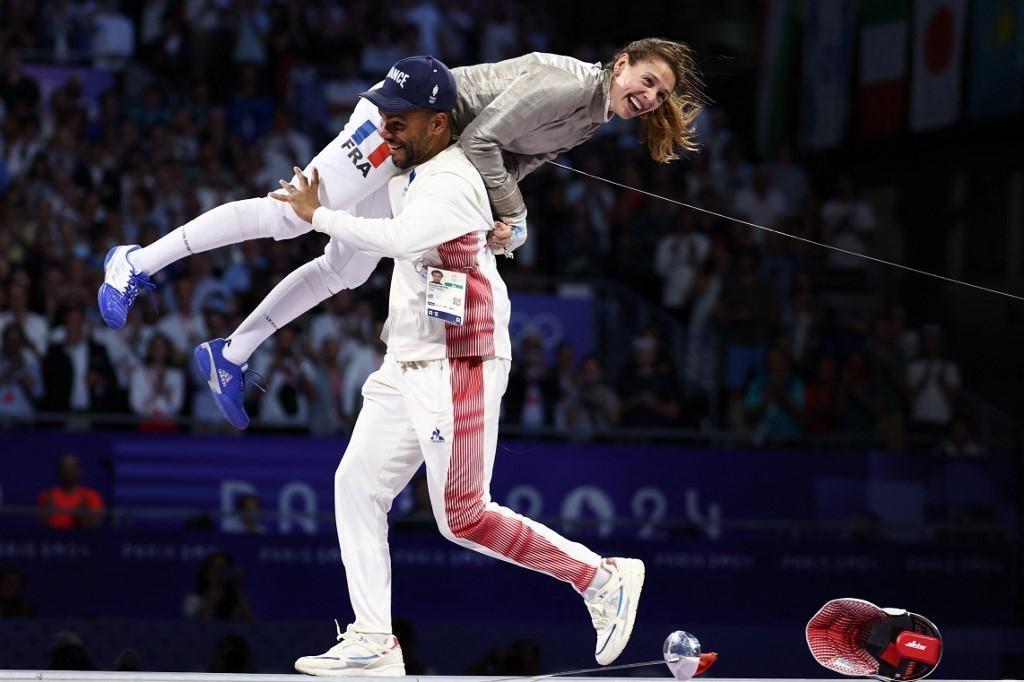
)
(443, 413)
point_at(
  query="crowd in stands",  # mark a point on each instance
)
(210, 102)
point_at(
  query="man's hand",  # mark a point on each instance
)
(499, 237)
(506, 237)
(304, 198)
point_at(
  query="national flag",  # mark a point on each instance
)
(828, 52)
(937, 63)
(775, 90)
(995, 85)
(882, 99)
(366, 129)
(379, 155)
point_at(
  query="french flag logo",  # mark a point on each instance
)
(380, 154)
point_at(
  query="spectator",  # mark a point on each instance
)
(18, 90)
(733, 173)
(77, 370)
(428, 20)
(933, 382)
(646, 390)
(21, 379)
(959, 442)
(579, 247)
(250, 111)
(821, 399)
(328, 381)
(761, 204)
(407, 638)
(364, 357)
(157, 392)
(252, 27)
(420, 515)
(33, 325)
(533, 390)
(701, 362)
(680, 255)
(291, 384)
(178, 323)
(856, 404)
(218, 592)
(519, 659)
(113, 40)
(247, 517)
(127, 661)
(887, 376)
(342, 92)
(565, 367)
(790, 179)
(232, 655)
(68, 652)
(746, 314)
(591, 406)
(69, 504)
(12, 604)
(847, 223)
(281, 145)
(775, 401)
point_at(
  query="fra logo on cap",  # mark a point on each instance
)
(433, 95)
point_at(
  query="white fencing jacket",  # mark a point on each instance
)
(442, 217)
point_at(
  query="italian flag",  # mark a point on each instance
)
(938, 59)
(776, 90)
(883, 67)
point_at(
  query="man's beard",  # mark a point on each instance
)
(412, 157)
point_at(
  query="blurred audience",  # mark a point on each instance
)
(197, 105)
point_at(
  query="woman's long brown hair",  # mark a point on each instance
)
(671, 126)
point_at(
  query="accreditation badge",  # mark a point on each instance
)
(446, 295)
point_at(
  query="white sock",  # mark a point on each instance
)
(229, 223)
(302, 290)
(601, 578)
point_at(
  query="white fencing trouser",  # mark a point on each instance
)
(443, 413)
(354, 170)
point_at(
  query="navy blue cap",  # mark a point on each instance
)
(415, 83)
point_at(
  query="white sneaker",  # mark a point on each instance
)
(357, 654)
(613, 608)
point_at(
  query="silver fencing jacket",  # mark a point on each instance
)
(532, 108)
